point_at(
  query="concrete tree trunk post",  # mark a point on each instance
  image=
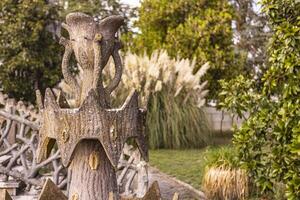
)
(91, 135)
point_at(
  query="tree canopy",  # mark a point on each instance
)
(29, 53)
(251, 33)
(99, 9)
(194, 29)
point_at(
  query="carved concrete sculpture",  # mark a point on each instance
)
(20, 171)
(91, 135)
(92, 43)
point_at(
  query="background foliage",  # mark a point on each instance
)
(28, 52)
(251, 34)
(99, 9)
(190, 29)
(268, 141)
(174, 96)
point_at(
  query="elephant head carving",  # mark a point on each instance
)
(92, 43)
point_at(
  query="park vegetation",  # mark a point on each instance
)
(174, 96)
(222, 176)
(200, 30)
(178, 54)
(29, 55)
(268, 141)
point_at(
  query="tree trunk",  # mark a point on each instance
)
(92, 177)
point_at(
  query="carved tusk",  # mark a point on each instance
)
(118, 72)
(63, 41)
(97, 82)
(68, 77)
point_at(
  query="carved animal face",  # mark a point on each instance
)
(82, 30)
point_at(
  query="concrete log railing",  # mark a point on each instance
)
(18, 146)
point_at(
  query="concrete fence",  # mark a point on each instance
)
(220, 120)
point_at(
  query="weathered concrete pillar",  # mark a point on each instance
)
(91, 134)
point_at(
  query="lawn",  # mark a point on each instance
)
(185, 165)
(189, 165)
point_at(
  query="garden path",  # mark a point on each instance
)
(169, 185)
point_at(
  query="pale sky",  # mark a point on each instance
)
(135, 3)
(131, 2)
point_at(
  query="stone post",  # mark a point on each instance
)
(90, 135)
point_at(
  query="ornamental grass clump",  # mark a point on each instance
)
(225, 183)
(174, 94)
(223, 179)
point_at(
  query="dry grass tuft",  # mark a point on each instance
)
(151, 74)
(225, 183)
(174, 94)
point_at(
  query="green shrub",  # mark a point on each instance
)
(268, 142)
(221, 156)
(193, 29)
